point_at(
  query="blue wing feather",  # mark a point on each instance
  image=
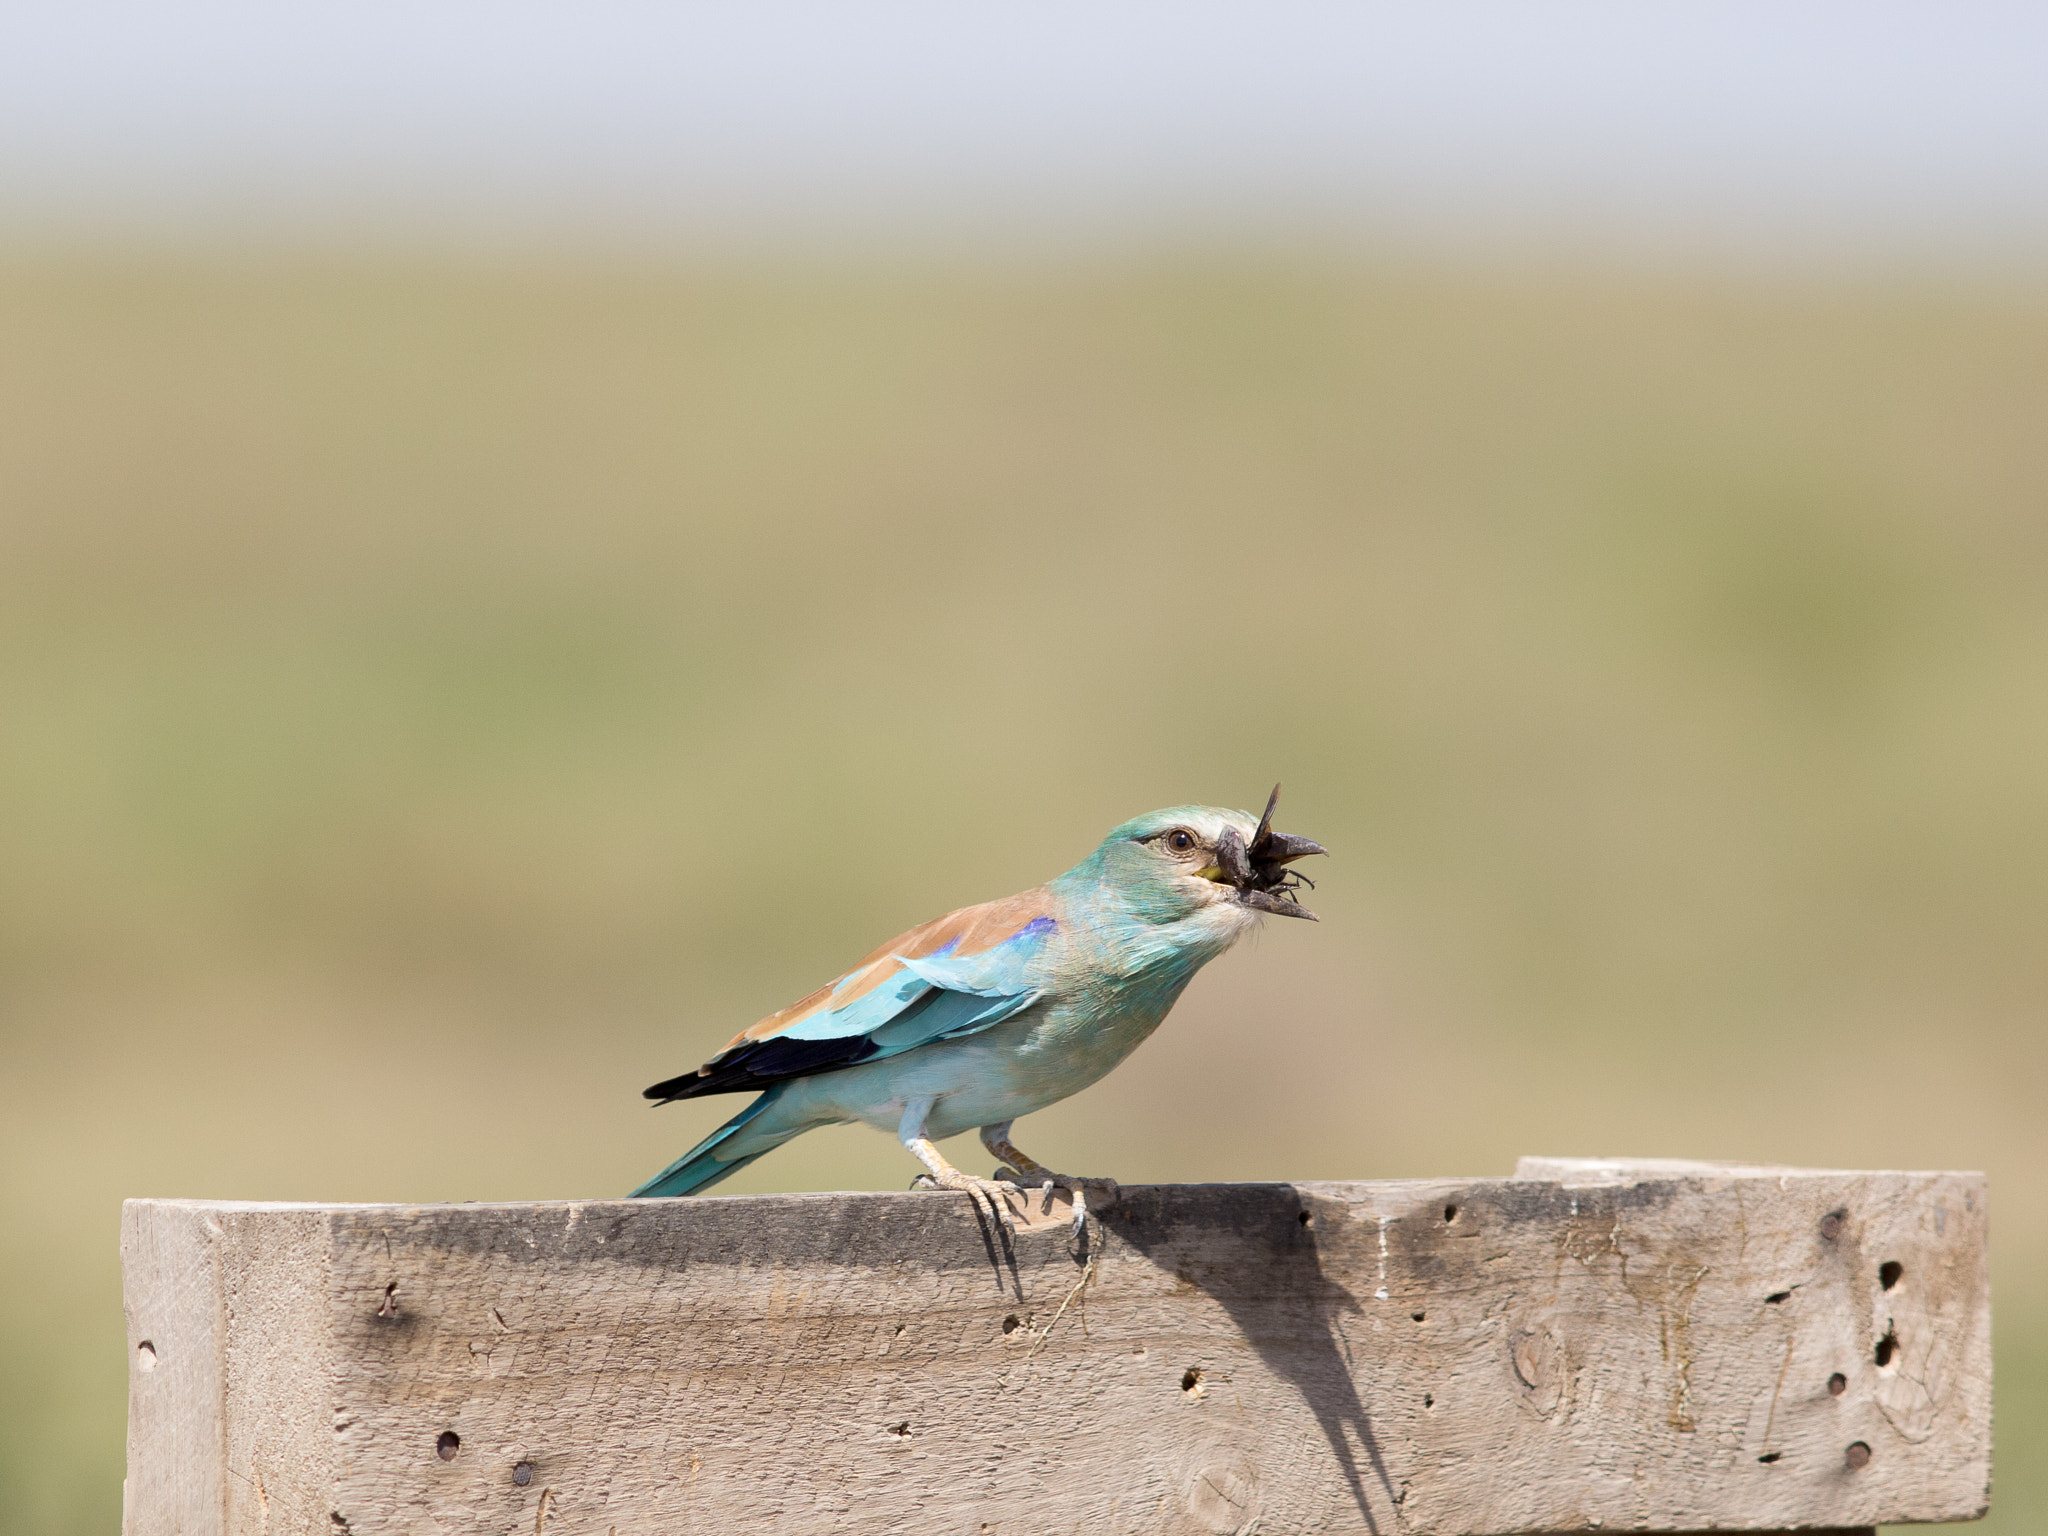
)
(939, 996)
(865, 1014)
(948, 1016)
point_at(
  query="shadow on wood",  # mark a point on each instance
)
(1287, 1309)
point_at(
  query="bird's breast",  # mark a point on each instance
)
(1089, 1029)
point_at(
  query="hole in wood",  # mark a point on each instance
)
(523, 1473)
(1769, 1456)
(1450, 1213)
(1831, 1224)
(1418, 1316)
(145, 1356)
(901, 1431)
(1837, 1384)
(1777, 1296)
(1887, 1349)
(449, 1443)
(1012, 1323)
(1306, 1218)
(1428, 1400)
(1191, 1381)
(1888, 1273)
(1857, 1456)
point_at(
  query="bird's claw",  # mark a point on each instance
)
(990, 1195)
(1107, 1192)
(1008, 1181)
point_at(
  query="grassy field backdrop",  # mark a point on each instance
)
(437, 700)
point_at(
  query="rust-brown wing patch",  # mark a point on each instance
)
(969, 931)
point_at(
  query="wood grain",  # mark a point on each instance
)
(1594, 1346)
(176, 1433)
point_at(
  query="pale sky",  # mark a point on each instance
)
(1865, 127)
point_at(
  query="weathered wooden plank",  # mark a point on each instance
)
(277, 1366)
(176, 1431)
(1598, 1348)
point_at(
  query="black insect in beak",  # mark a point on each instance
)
(1260, 872)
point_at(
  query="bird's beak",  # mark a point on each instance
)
(1258, 870)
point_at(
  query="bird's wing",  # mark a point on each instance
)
(950, 977)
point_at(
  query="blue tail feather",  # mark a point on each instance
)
(700, 1167)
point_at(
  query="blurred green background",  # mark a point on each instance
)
(439, 697)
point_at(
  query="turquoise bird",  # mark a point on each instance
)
(996, 1010)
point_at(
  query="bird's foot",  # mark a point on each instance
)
(1102, 1191)
(992, 1195)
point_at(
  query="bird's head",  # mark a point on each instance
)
(1190, 857)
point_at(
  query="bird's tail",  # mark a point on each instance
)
(702, 1166)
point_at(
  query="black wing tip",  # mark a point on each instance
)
(762, 1064)
(688, 1085)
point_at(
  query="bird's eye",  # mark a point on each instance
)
(1180, 840)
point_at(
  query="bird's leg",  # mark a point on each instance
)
(997, 1139)
(943, 1175)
